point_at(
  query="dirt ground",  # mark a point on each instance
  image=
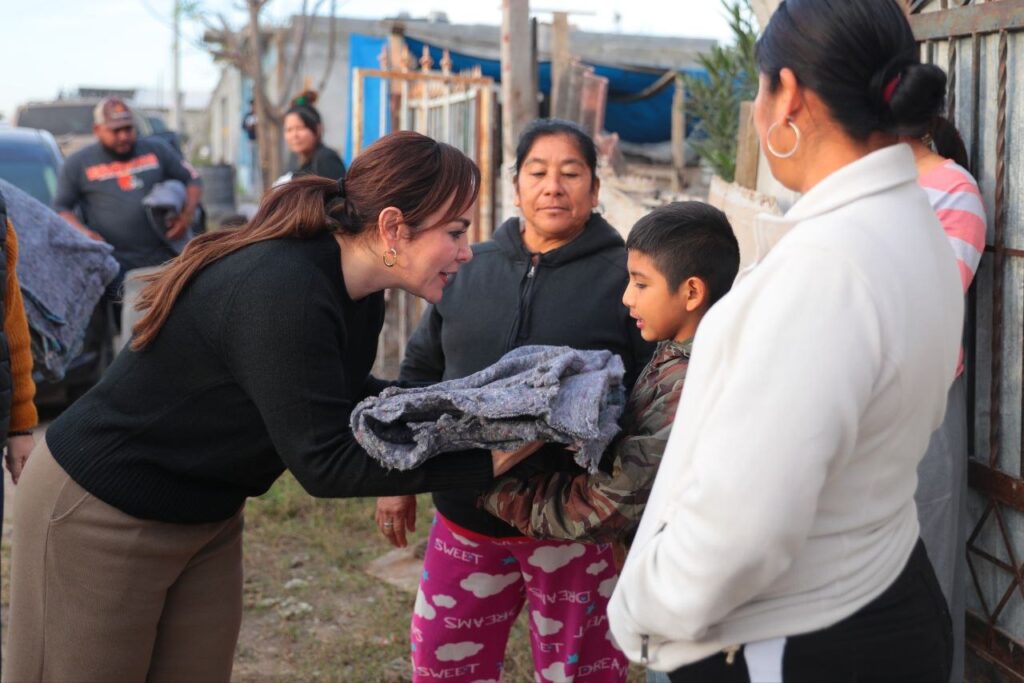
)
(311, 611)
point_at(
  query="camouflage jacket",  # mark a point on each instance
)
(606, 506)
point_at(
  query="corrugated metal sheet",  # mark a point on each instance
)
(981, 45)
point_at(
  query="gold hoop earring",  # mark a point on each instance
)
(390, 257)
(771, 147)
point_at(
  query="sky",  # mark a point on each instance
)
(54, 45)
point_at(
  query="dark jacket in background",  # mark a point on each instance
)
(325, 163)
(504, 298)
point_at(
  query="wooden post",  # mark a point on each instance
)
(678, 134)
(357, 112)
(747, 148)
(518, 101)
(559, 60)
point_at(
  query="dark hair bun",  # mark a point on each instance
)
(918, 97)
(306, 98)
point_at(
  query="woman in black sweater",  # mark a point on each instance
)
(304, 133)
(254, 347)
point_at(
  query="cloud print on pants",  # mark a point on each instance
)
(445, 601)
(597, 568)
(606, 587)
(485, 585)
(550, 558)
(546, 626)
(423, 608)
(465, 541)
(556, 673)
(456, 652)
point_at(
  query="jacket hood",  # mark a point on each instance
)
(598, 235)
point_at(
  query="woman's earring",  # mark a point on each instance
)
(771, 147)
(390, 257)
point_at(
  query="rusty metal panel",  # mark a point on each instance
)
(973, 18)
(981, 44)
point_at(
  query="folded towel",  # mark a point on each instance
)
(62, 274)
(549, 393)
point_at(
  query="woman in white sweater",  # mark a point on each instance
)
(780, 542)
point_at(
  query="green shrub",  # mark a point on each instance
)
(715, 100)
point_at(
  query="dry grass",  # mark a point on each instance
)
(311, 613)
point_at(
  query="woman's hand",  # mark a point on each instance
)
(395, 515)
(505, 460)
(18, 449)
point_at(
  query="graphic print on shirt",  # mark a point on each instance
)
(125, 172)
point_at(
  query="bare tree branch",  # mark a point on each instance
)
(299, 56)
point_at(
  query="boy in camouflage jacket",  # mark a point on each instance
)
(683, 257)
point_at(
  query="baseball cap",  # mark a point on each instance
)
(113, 113)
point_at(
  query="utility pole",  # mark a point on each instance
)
(176, 118)
(560, 57)
(518, 93)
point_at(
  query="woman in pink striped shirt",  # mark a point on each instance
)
(942, 475)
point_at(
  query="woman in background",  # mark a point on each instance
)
(304, 133)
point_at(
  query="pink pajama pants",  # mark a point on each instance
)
(473, 588)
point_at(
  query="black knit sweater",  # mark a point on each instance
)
(256, 369)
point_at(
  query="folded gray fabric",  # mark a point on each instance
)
(549, 393)
(62, 275)
(163, 203)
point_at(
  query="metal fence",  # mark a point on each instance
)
(981, 47)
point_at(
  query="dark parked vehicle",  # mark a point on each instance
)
(30, 160)
(70, 122)
(160, 130)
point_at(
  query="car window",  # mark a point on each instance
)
(34, 177)
(157, 124)
(59, 120)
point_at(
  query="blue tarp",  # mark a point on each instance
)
(363, 53)
(646, 120)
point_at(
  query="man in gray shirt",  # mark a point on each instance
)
(108, 180)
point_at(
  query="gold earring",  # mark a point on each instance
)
(390, 257)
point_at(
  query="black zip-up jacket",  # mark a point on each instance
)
(507, 297)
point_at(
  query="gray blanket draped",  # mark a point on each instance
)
(549, 393)
(62, 275)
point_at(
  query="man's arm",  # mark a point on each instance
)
(187, 215)
(69, 194)
(176, 168)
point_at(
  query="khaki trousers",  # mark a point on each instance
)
(99, 595)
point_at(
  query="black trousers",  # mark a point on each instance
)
(904, 636)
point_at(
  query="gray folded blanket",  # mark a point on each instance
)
(62, 274)
(549, 393)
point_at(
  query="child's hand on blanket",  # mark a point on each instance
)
(506, 460)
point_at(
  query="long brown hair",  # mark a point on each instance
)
(406, 170)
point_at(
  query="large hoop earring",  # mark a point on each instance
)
(771, 147)
(390, 257)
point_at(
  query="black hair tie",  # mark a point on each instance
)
(341, 187)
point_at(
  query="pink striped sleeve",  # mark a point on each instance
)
(957, 202)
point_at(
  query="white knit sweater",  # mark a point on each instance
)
(785, 499)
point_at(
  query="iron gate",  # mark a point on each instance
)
(458, 109)
(981, 47)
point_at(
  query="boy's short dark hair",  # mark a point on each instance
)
(689, 239)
